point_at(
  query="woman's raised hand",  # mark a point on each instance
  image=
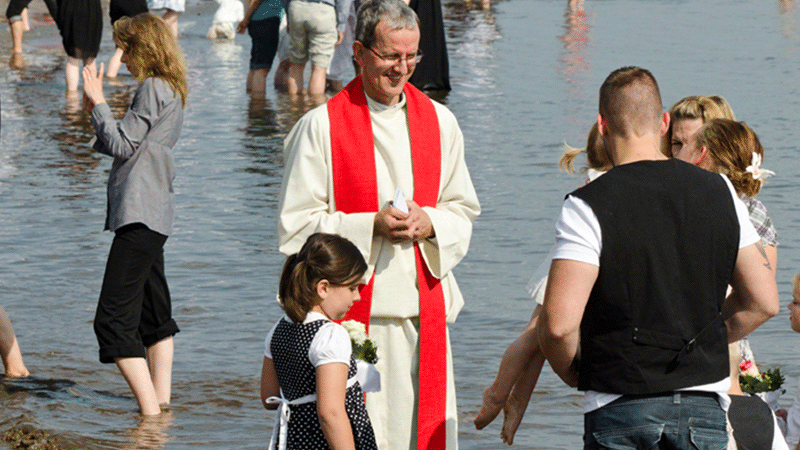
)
(93, 85)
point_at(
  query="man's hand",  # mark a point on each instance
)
(399, 227)
(339, 39)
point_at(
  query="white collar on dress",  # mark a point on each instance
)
(310, 317)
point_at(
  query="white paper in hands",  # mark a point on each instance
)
(368, 376)
(400, 201)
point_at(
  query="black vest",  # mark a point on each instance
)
(670, 237)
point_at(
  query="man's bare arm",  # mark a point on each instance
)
(755, 295)
(568, 287)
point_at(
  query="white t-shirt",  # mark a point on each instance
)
(579, 238)
(793, 421)
(331, 344)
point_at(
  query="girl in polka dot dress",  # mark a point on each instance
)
(309, 370)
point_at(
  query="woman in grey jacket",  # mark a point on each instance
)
(133, 323)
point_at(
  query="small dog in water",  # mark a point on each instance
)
(228, 15)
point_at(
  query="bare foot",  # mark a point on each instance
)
(513, 412)
(491, 407)
(16, 60)
(12, 361)
(17, 372)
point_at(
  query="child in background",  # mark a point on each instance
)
(793, 418)
(523, 360)
(309, 367)
(262, 19)
(134, 312)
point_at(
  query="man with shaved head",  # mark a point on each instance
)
(635, 313)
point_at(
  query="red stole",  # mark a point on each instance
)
(355, 190)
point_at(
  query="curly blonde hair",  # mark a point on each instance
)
(151, 47)
(596, 154)
(731, 145)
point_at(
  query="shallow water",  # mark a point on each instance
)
(525, 75)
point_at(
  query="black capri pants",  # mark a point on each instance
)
(134, 310)
(15, 8)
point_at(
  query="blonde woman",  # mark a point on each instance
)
(133, 323)
(688, 115)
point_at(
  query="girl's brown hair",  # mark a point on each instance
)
(731, 145)
(596, 154)
(323, 257)
(151, 47)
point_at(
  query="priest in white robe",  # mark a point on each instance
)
(387, 236)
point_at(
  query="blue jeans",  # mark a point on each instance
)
(670, 421)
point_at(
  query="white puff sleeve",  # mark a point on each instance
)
(331, 344)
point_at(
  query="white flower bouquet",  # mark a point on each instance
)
(363, 348)
(366, 355)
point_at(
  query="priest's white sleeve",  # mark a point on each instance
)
(457, 206)
(306, 205)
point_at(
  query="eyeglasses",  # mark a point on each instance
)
(410, 58)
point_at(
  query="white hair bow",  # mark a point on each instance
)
(756, 170)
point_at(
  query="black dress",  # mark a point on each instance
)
(297, 378)
(433, 71)
(81, 25)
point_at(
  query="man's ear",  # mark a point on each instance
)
(358, 52)
(601, 126)
(664, 123)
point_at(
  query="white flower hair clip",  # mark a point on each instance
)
(756, 170)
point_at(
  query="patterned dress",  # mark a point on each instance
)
(761, 221)
(297, 378)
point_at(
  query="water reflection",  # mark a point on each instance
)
(151, 432)
(262, 120)
(71, 138)
(263, 139)
(471, 33)
(788, 16)
(573, 61)
(292, 107)
(485, 5)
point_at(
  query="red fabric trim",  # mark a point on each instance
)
(355, 190)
